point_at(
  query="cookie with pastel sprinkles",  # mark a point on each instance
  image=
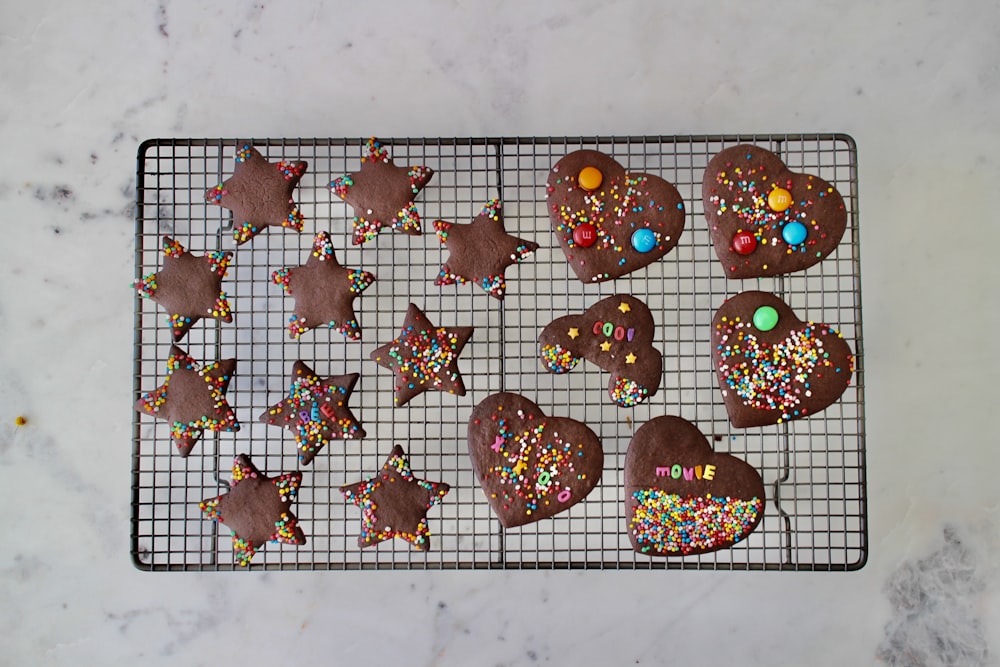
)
(615, 333)
(682, 498)
(382, 194)
(324, 291)
(765, 219)
(316, 410)
(188, 287)
(423, 357)
(610, 222)
(480, 252)
(531, 466)
(771, 366)
(259, 193)
(394, 503)
(191, 399)
(257, 509)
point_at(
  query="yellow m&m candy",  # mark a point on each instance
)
(590, 178)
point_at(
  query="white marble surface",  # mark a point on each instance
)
(916, 83)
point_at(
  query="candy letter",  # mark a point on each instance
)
(675, 471)
(709, 472)
(661, 471)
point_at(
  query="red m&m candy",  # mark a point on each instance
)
(744, 243)
(585, 235)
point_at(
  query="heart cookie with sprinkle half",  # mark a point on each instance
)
(682, 498)
(610, 222)
(530, 466)
(772, 367)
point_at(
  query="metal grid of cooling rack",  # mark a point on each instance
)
(813, 469)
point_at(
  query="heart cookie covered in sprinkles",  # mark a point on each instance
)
(610, 222)
(772, 367)
(765, 219)
(530, 466)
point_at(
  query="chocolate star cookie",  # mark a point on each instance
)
(189, 287)
(324, 291)
(382, 194)
(259, 194)
(481, 251)
(316, 410)
(257, 509)
(394, 503)
(192, 399)
(423, 357)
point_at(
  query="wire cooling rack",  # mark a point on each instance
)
(813, 469)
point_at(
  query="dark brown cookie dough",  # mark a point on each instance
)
(766, 220)
(681, 498)
(259, 193)
(324, 291)
(772, 367)
(615, 333)
(610, 222)
(394, 503)
(382, 194)
(257, 509)
(192, 399)
(530, 466)
(481, 251)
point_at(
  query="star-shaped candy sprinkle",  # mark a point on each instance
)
(394, 503)
(192, 399)
(189, 287)
(259, 194)
(481, 251)
(257, 509)
(382, 194)
(324, 291)
(424, 357)
(316, 410)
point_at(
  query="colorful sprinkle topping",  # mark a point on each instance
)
(668, 522)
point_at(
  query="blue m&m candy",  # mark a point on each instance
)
(643, 240)
(794, 233)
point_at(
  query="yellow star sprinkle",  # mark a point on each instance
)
(605, 346)
(573, 333)
(630, 358)
(624, 307)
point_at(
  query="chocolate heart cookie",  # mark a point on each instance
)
(772, 366)
(610, 222)
(531, 466)
(765, 219)
(682, 498)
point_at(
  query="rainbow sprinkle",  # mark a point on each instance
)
(674, 524)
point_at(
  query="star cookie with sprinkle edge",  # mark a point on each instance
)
(394, 503)
(481, 251)
(257, 509)
(316, 410)
(324, 291)
(259, 193)
(382, 194)
(188, 287)
(192, 399)
(424, 357)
